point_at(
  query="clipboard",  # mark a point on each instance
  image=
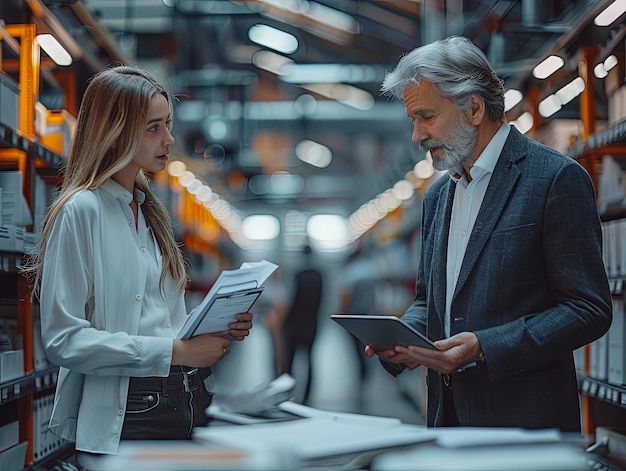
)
(216, 316)
(381, 332)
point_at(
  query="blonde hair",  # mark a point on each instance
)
(110, 125)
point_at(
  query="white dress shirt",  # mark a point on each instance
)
(103, 316)
(468, 198)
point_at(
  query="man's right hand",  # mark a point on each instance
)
(392, 356)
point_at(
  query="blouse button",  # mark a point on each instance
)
(138, 296)
(143, 250)
(120, 412)
(166, 325)
(130, 223)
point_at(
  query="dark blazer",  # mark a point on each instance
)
(532, 287)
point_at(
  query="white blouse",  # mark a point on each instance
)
(102, 314)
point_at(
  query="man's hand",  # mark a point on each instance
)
(451, 353)
(394, 356)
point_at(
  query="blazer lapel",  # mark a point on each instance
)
(500, 187)
(438, 275)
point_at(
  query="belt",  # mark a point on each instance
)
(184, 379)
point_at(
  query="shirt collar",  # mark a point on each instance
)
(119, 192)
(488, 158)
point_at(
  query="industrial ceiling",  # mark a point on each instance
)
(239, 120)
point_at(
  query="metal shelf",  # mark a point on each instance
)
(602, 390)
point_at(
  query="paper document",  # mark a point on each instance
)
(234, 291)
(311, 442)
(310, 412)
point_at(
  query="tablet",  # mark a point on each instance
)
(381, 332)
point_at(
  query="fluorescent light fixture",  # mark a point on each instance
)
(602, 69)
(511, 98)
(312, 153)
(599, 71)
(331, 17)
(424, 169)
(346, 94)
(273, 38)
(610, 13)
(550, 105)
(270, 61)
(176, 168)
(279, 183)
(548, 66)
(319, 13)
(331, 73)
(403, 190)
(260, 227)
(53, 48)
(524, 122)
(571, 90)
(328, 232)
(610, 62)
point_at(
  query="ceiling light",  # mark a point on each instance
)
(610, 13)
(571, 90)
(524, 122)
(176, 168)
(403, 190)
(346, 94)
(610, 62)
(511, 98)
(270, 61)
(548, 67)
(273, 38)
(549, 106)
(331, 73)
(424, 169)
(328, 231)
(315, 154)
(260, 227)
(53, 48)
(599, 71)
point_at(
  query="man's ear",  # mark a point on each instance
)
(476, 111)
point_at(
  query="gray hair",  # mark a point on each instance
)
(456, 67)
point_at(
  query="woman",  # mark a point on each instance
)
(111, 277)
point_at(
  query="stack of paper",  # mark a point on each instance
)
(328, 442)
(487, 449)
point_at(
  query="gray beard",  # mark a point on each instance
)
(458, 149)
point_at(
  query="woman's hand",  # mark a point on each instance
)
(201, 351)
(241, 329)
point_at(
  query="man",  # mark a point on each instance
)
(511, 278)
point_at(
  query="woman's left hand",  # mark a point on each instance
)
(241, 329)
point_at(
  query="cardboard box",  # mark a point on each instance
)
(55, 129)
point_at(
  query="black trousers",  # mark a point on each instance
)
(450, 418)
(167, 408)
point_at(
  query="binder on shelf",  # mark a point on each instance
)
(13, 459)
(234, 291)
(9, 101)
(616, 345)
